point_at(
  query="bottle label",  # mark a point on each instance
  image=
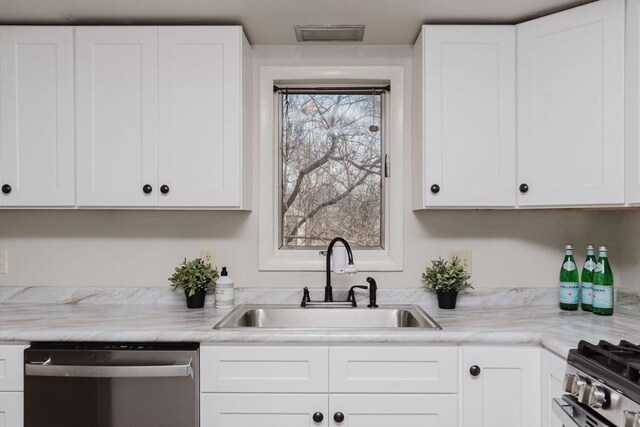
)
(602, 296)
(590, 265)
(224, 295)
(586, 293)
(569, 266)
(569, 293)
(599, 267)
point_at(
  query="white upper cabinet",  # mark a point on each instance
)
(117, 103)
(201, 121)
(633, 102)
(571, 142)
(162, 117)
(36, 116)
(466, 116)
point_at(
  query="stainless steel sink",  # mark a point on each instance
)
(294, 317)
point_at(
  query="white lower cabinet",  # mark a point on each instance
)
(11, 385)
(552, 375)
(262, 410)
(385, 410)
(500, 387)
(11, 409)
(372, 386)
(377, 386)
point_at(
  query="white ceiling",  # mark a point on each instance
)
(272, 21)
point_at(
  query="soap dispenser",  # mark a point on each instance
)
(224, 290)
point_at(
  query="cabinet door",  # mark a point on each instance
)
(262, 410)
(36, 116)
(633, 102)
(11, 367)
(384, 410)
(200, 115)
(552, 369)
(469, 117)
(506, 392)
(11, 409)
(116, 74)
(571, 107)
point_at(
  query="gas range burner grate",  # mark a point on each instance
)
(622, 359)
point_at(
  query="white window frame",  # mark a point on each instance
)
(271, 257)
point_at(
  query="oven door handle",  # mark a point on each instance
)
(564, 411)
(46, 369)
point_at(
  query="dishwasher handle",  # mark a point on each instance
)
(46, 369)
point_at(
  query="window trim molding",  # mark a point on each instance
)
(271, 258)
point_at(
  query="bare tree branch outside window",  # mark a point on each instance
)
(331, 163)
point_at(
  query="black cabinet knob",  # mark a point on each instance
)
(318, 417)
(147, 189)
(6, 189)
(338, 417)
(435, 188)
(523, 188)
(164, 189)
(474, 370)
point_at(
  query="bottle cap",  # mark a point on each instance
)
(224, 271)
(568, 247)
(602, 249)
(590, 246)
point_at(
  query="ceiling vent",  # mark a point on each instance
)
(329, 33)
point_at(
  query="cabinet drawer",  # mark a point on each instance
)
(11, 359)
(393, 369)
(11, 409)
(264, 369)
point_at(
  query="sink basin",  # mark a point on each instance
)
(294, 317)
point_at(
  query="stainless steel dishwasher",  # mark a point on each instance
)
(111, 385)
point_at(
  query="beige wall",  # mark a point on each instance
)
(140, 248)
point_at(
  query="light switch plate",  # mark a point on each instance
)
(465, 256)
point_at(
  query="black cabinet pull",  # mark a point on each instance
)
(164, 189)
(523, 188)
(474, 370)
(318, 417)
(338, 417)
(147, 189)
(435, 188)
(6, 189)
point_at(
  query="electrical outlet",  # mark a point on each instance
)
(4, 261)
(208, 256)
(465, 257)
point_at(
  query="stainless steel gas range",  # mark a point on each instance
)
(601, 386)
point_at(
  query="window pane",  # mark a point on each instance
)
(331, 158)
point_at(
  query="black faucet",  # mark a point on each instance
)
(328, 290)
(373, 287)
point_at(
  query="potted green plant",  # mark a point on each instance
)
(194, 277)
(446, 278)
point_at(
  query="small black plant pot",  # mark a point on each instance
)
(447, 299)
(196, 300)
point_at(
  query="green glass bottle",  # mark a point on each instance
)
(603, 285)
(569, 288)
(586, 289)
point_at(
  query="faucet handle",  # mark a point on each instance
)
(351, 297)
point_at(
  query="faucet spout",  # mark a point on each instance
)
(328, 290)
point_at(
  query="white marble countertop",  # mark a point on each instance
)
(544, 325)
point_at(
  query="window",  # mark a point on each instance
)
(331, 161)
(309, 191)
